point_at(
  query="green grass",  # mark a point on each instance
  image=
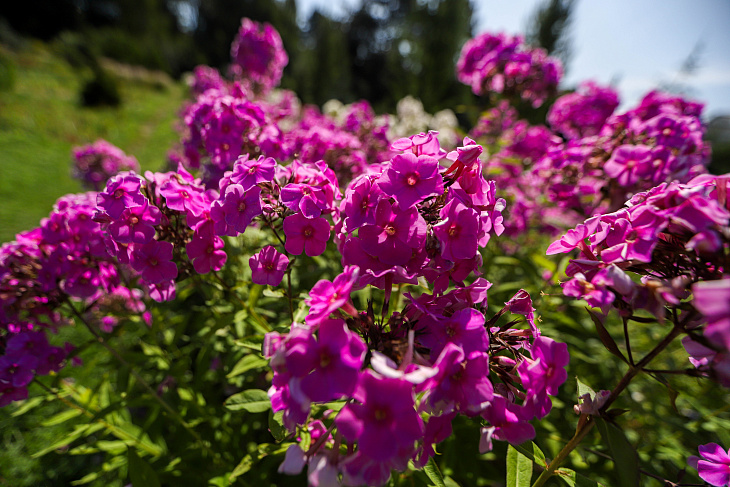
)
(41, 120)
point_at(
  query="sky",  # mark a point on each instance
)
(634, 45)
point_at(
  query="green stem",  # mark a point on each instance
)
(585, 427)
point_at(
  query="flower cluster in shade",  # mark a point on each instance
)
(95, 163)
(258, 56)
(713, 464)
(553, 183)
(404, 377)
(676, 239)
(503, 64)
(41, 273)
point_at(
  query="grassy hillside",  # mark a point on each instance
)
(41, 120)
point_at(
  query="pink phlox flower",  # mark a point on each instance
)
(153, 261)
(135, 224)
(327, 297)
(248, 172)
(420, 144)
(308, 235)
(410, 179)
(712, 299)
(268, 266)
(507, 424)
(573, 237)
(338, 356)
(361, 199)
(384, 422)
(462, 384)
(206, 253)
(122, 192)
(714, 466)
(240, 207)
(181, 197)
(311, 201)
(464, 328)
(458, 231)
(395, 234)
(546, 371)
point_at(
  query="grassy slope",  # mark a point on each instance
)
(41, 121)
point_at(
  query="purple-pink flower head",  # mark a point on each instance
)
(248, 172)
(395, 235)
(712, 299)
(268, 266)
(546, 371)
(714, 466)
(121, 192)
(308, 235)
(206, 253)
(423, 144)
(626, 162)
(361, 199)
(464, 328)
(458, 231)
(258, 54)
(310, 200)
(240, 207)
(384, 421)
(410, 179)
(327, 297)
(135, 224)
(153, 261)
(337, 358)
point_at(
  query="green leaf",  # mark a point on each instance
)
(276, 426)
(78, 432)
(519, 469)
(605, 336)
(61, 417)
(251, 400)
(251, 343)
(141, 473)
(243, 466)
(625, 458)
(533, 452)
(27, 405)
(574, 479)
(584, 389)
(247, 363)
(433, 473)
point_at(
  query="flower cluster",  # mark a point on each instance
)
(583, 113)
(95, 163)
(502, 64)
(405, 376)
(258, 55)
(41, 273)
(553, 184)
(676, 238)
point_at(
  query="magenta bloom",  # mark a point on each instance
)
(506, 424)
(326, 297)
(240, 207)
(385, 421)
(546, 372)
(135, 225)
(712, 299)
(410, 179)
(714, 466)
(626, 162)
(395, 235)
(206, 253)
(458, 232)
(464, 328)
(310, 200)
(121, 192)
(308, 235)
(337, 358)
(153, 261)
(248, 173)
(258, 54)
(268, 266)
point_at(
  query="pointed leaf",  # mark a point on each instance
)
(605, 336)
(574, 479)
(433, 473)
(625, 458)
(533, 452)
(248, 362)
(276, 426)
(519, 469)
(141, 473)
(251, 400)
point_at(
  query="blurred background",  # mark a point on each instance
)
(72, 71)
